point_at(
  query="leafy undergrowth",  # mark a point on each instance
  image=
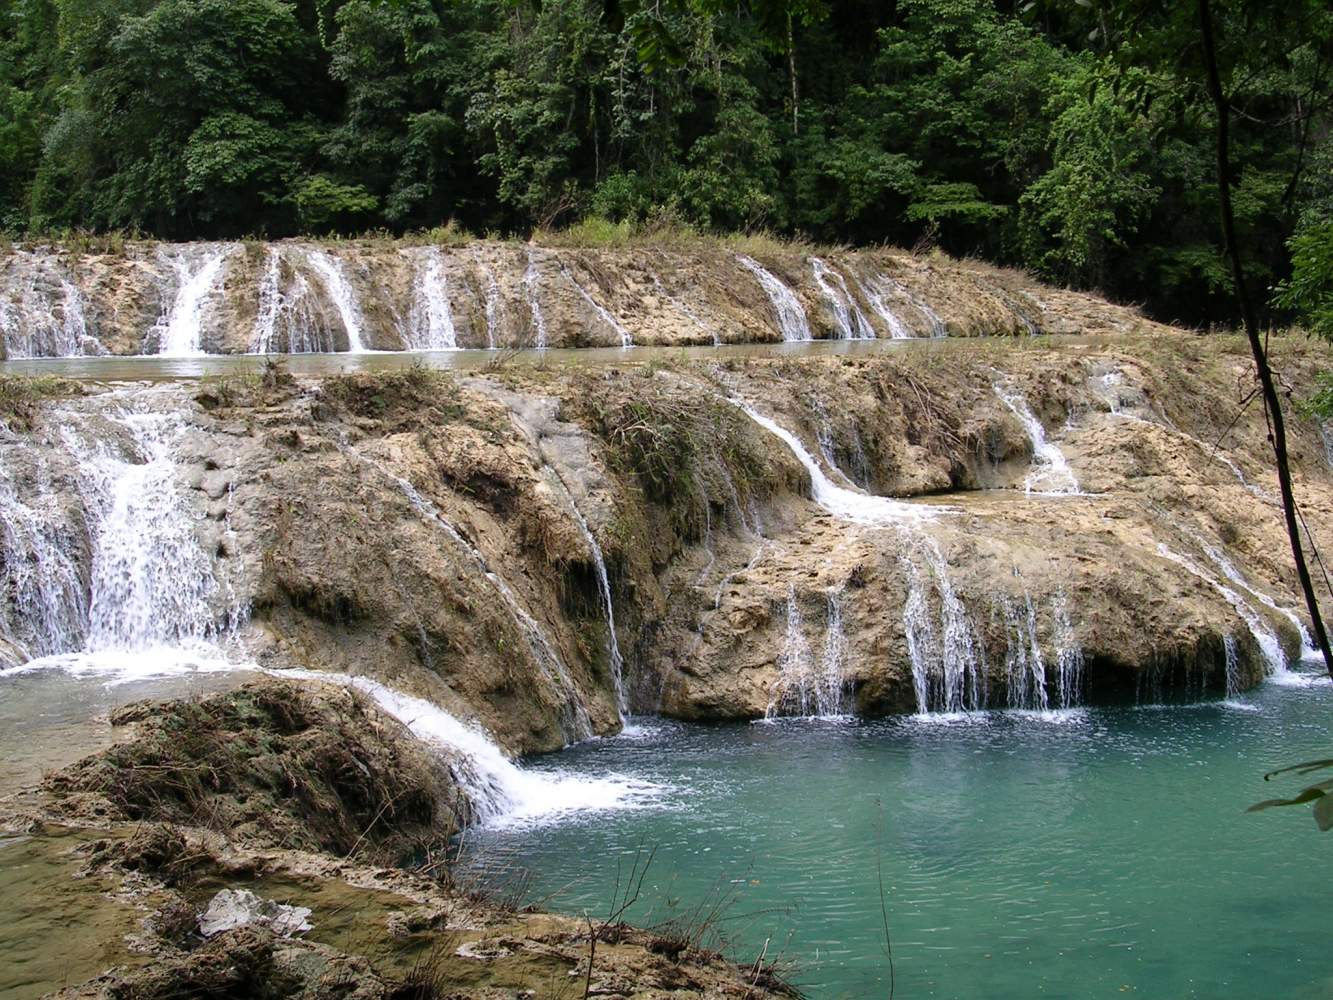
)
(20, 396)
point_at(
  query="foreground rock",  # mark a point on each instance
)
(307, 795)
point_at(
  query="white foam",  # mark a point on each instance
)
(849, 505)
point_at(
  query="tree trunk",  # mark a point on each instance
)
(1278, 436)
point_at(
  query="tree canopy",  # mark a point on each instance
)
(1030, 133)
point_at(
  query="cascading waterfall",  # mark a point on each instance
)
(295, 317)
(1219, 559)
(850, 320)
(499, 791)
(948, 675)
(1232, 666)
(786, 306)
(150, 589)
(430, 325)
(806, 687)
(35, 321)
(604, 586)
(1264, 637)
(494, 307)
(1068, 655)
(845, 504)
(341, 294)
(1024, 665)
(575, 723)
(626, 338)
(48, 594)
(875, 292)
(179, 332)
(533, 294)
(152, 584)
(1051, 474)
(270, 304)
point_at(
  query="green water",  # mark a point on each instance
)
(1104, 855)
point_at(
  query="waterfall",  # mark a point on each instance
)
(341, 294)
(874, 290)
(494, 306)
(1264, 637)
(151, 583)
(1232, 666)
(150, 588)
(626, 338)
(1024, 665)
(806, 688)
(34, 321)
(1068, 655)
(179, 332)
(796, 666)
(947, 674)
(1051, 475)
(47, 610)
(832, 661)
(786, 306)
(848, 505)
(532, 293)
(270, 303)
(878, 288)
(430, 325)
(1219, 559)
(604, 586)
(575, 723)
(500, 792)
(850, 320)
(302, 317)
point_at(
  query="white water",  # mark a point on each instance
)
(948, 675)
(494, 307)
(1025, 667)
(1051, 474)
(341, 294)
(875, 290)
(604, 586)
(501, 793)
(786, 306)
(430, 323)
(533, 295)
(850, 320)
(149, 601)
(806, 687)
(47, 609)
(626, 338)
(35, 321)
(1068, 656)
(845, 504)
(303, 315)
(1232, 666)
(179, 332)
(1264, 637)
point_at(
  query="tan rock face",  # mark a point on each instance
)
(424, 531)
(230, 298)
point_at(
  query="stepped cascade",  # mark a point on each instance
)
(199, 299)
